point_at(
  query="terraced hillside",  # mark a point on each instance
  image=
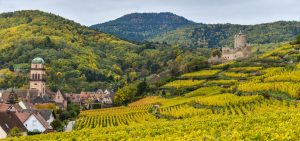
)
(233, 101)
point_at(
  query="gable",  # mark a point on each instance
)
(33, 124)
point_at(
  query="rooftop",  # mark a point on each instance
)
(38, 60)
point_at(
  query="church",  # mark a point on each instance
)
(37, 93)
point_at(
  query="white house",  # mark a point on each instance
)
(33, 121)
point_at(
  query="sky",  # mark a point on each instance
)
(89, 12)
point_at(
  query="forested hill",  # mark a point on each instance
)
(170, 28)
(142, 26)
(218, 35)
(77, 57)
(74, 54)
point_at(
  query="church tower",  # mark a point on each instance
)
(37, 76)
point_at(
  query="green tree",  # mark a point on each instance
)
(196, 64)
(15, 132)
(47, 42)
(125, 95)
(298, 39)
(13, 97)
(57, 125)
(217, 52)
(141, 88)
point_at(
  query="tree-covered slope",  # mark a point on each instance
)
(77, 57)
(142, 26)
(74, 54)
(218, 35)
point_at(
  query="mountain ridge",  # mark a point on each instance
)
(148, 24)
(197, 34)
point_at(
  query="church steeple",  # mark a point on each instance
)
(37, 76)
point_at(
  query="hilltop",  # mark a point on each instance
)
(171, 28)
(142, 26)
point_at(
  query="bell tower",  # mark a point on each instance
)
(37, 76)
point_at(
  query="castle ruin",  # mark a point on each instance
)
(240, 50)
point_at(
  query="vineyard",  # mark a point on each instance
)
(230, 101)
(201, 74)
(184, 83)
(260, 120)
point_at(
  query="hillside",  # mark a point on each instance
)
(170, 28)
(142, 26)
(218, 35)
(77, 57)
(253, 99)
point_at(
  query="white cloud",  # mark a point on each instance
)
(88, 12)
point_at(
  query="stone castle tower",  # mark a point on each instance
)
(37, 76)
(240, 40)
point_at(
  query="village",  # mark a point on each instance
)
(39, 110)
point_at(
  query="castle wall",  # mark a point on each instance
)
(233, 56)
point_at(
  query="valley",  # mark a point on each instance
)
(147, 76)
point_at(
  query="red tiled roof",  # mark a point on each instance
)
(9, 120)
(4, 107)
(23, 115)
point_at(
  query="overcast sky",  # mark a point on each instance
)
(88, 12)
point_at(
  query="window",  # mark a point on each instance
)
(33, 122)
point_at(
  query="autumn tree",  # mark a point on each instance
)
(15, 132)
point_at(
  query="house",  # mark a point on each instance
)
(48, 116)
(8, 120)
(105, 98)
(73, 98)
(33, 121)
(60, 100)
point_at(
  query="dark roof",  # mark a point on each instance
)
(46, 114)
(39, 99)
(9, 120)
(28, 94)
